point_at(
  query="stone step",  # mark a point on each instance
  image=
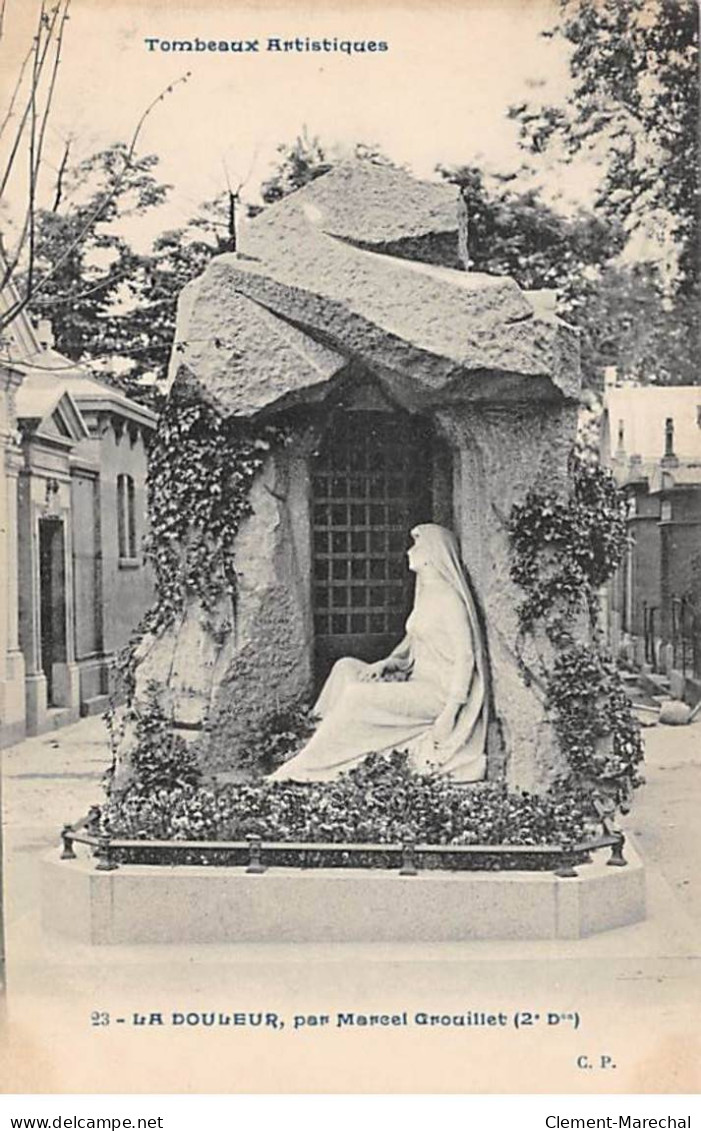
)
(94, 706)
(57, 717)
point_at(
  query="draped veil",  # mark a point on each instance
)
(463, 754)
(444, 659)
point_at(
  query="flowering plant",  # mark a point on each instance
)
(380, 802)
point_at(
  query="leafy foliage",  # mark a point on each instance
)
(94, 267)
(161, 759)
(380, 802)
(201, 470)
(144, 332)
(624, 318)
(516, 233)
(277, 738)
(308, 158)
(301, 162)
(634, 65)
(627, 322)
(593, 717)
(564, 550)
(105, 300)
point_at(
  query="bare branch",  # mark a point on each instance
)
(40, 51)
(52, 82)
(114, 191)
(107, 282)
(226, 174)
(58, 194)
(16, 91)
(33, 167)
(30, 111)
(33, 290)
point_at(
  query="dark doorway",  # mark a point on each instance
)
(371, 483)
(52, 589)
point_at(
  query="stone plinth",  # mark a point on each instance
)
(145, 904)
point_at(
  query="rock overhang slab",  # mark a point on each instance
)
(256, 332)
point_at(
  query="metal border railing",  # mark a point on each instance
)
(257, 855)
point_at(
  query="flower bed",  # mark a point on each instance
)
(379, 803)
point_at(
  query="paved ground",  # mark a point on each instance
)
(635, 989)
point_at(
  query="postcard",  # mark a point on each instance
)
(349, 545)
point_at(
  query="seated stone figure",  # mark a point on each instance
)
(429, 697)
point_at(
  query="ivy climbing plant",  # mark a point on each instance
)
(201, 470)
(563, 550)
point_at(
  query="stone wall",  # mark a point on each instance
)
(500, 453)
(220, 673)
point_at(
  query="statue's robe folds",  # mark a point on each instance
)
(441, 660)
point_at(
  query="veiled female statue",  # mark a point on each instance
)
(429, 697)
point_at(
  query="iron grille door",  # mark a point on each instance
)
(370, 485)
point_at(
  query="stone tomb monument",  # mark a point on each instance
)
(418, 391)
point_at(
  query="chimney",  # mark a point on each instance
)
(45, 334)
(669, 459)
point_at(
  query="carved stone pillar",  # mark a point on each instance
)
(12, 704)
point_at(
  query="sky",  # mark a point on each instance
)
(439, 94)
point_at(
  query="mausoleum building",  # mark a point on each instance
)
(74, 497)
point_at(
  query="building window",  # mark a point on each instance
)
(126, 521)
(666, 510)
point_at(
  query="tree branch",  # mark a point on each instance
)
(16, 91)
(58, 194)
(52, 82)
(94, 216)
(40, 52)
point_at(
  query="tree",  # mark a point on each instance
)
(48, 247)
(23, 134)
(626, 322)
(301, 162)
(308, 158)
(517, 234)
(634, 104)
(106, 302)
(624, 319)
(87, 266)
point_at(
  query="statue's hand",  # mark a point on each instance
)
(374, 672)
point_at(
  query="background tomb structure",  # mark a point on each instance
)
(418, 391)
(74, 582)
(651, 440)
